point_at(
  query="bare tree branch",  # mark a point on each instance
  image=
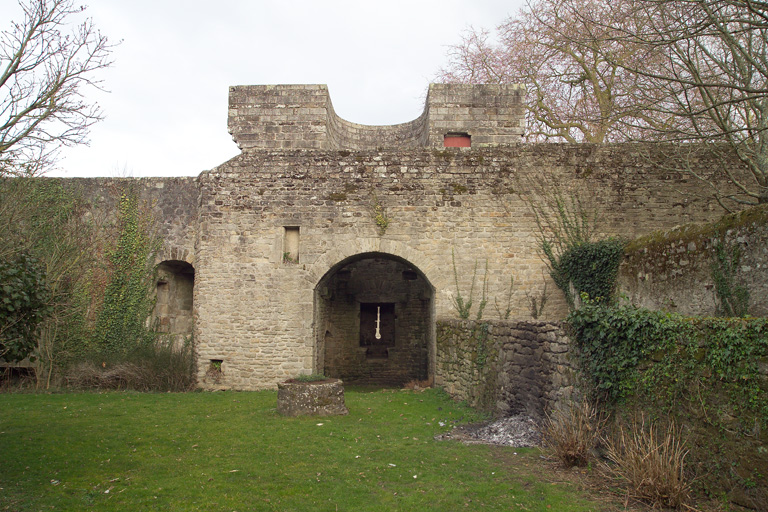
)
(715, 80)
(556, 49)
(44, 72)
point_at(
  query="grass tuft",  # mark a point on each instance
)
(651, 462)
(571, 434)
(315, 377)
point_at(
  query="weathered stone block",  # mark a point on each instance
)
(322, 398)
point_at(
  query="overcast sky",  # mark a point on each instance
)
(166, 112)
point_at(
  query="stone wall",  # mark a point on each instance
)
(504, 367)
(672, 270)
(270, 234)
(173, 200)
(492, 114)
(457, 217)
(302, 117)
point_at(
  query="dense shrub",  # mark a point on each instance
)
(587, 268)
(23, 305)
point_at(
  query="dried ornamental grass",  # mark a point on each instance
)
(572, 434)
(651, 462)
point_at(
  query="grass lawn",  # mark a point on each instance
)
(232, 451)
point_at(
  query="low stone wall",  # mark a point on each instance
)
(504, 367)
(673, 270)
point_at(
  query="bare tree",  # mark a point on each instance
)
(572, 63)
(45, 67)
(714, 80)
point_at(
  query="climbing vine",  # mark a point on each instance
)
(121, 324)
(733, 297)
(567, 232)
(464, 305)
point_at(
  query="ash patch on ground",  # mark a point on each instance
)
(518, 431)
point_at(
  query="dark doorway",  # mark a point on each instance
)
(374, 321)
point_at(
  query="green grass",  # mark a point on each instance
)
(231, 451)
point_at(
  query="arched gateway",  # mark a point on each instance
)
(374, 321)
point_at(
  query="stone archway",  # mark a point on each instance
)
(173, 314)
(374, 321)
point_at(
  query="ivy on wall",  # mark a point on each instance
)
(627, 351)
(473, 353)
(733, 296)
(589, 268)
(121, 325)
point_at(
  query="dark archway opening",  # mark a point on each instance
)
(374, 321)
(173, 313)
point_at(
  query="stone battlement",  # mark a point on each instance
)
(302, 117)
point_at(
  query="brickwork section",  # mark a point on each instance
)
(504, 367)
(673, 270)
(302, 117)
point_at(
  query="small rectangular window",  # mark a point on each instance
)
(291, 245)
(457, 140)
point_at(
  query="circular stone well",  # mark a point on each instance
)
(319, 398)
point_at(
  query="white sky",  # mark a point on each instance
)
(166, 112)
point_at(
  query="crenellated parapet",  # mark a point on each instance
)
(302, 117)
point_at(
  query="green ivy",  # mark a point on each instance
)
(611, 342)
(590, 267)
(733, 297)
(481, 336)
(121, 325)
(23, 305)
(626, 350)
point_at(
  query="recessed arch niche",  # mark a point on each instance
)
(173, 314)
(374, 321)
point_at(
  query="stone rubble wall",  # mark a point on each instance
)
(173, 200)
(257, 314)
(504, 367)
(672, 270)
